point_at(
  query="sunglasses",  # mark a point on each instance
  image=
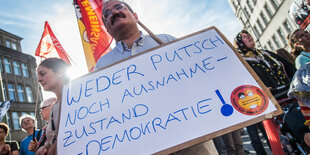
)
(108, 13)
(44, 107)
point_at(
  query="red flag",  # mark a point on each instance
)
(96, 40)
(49, 46)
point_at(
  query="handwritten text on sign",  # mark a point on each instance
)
(156, 100)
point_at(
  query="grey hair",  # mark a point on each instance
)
(48, 102)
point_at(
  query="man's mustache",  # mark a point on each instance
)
(115, 16)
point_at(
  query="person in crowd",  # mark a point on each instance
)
(45, 108)
(219, 145)
(229, 144)
(274, 72)
(7, 147)
(299, 42)
(300, 89)
(308, 4)
(283, 53)
(27, 123)
(52, 76)
(233, 143)
(121, 23)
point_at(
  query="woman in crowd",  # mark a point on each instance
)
(274, 72)
(299, 42)
(46, 107)
(7, 148)
(300, 89)
(52, 76)
(283, 53)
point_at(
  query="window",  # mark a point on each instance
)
(242, 21)
(11, 91)
(234, 4)
(256, 31)
(254, 1)
(249, 5)
(29, 94)
(21, 93)
(270, 45)
(16, 67)
(15, 120)
(24, 113)
(265, 47)
(247, 14)
(268, 10)
(25, 70)
(276, 41)
(7, 44)
(282, 36)
(274, 4)
(287, 26)
(260, 25)
(13, 46)
(10, 44)
(265, 20)
(7, 65)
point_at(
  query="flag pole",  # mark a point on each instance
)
(2, 99)
(7, 121)
(36, 109)
(151, 33)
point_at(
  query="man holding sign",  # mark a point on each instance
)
(121, 23)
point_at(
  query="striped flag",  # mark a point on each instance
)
(49, 46)
(4, 107)
(95, 39)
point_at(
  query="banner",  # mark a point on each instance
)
(95, 38)
(4, 107)
(49, 46)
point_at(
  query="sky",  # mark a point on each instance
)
(25, 18)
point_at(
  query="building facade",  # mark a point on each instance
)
(267, 20)
(19, 82)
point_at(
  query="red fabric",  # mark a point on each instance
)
(305, 111)
(273, 137)
(305, 23)
(49, 46)
(97, 34)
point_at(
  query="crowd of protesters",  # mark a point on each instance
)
(276, 69)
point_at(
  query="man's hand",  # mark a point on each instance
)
(33, 145)
(6, 149)
(43, 150)
(307, 139)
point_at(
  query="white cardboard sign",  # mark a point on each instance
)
(159, 99)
